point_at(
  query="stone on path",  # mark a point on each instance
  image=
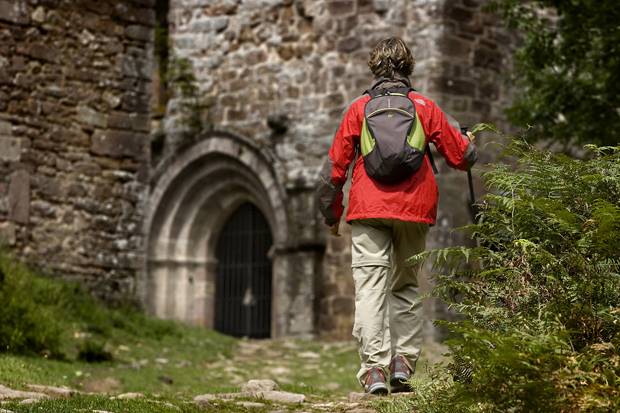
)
(131, 396)
(358, 397)
(105, 385)
(361, 410)
(229, 396)
(9, 394)
(203, 403)
(29, 401)
(281, 396)
(251, 404)
(63, 392)
(172, 406)
(254, 386)
(207, 397)
(5, 411)
(309, 355)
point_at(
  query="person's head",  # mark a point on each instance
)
(391, 55)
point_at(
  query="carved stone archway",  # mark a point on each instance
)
(191, 199)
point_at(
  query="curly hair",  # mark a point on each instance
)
(391, 55)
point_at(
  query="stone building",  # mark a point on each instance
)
(184, 230)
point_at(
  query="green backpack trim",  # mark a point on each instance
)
(416, 138)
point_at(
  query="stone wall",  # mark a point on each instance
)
(75, 91)
(78, 193)
(294, 65)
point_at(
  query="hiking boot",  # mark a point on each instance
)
(399, 375)
(375, 382)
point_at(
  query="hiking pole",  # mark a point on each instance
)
(474, 208)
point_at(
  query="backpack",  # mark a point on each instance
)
(392, 140)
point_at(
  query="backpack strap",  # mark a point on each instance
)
(430, 158)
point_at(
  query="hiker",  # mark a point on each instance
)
(390, 215)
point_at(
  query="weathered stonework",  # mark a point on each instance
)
(280, 72)
(73, 185)
(78, 192)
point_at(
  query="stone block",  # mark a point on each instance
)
(381, 6)
(139, 32)
(6, 128)
(141, 122)
(481, 107)
(340, 7)
(14, 12)
(454, 48)
(10, 149)
(24, 81)
(5, 78)
(77, 189)
(127, 65)
(120, 120)
(459, 14)
(87, 168)
(343, 305)
(220, 23)
(88, 116)
(100, 7)
(7, 233)
(488, 58)
(365, 6)
(136, 102)
(48, 188)
(349, 44)
(113, 100)
(19, 197)
(488, 91)
(18, 64)
(202, 25)
(452, 86)
(119, 144)
(40, 52)
(44, 209)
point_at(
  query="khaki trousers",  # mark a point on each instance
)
(386, 321)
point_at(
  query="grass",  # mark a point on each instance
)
(105, 403)
(54, 330)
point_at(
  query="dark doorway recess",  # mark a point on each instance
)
(243, 275)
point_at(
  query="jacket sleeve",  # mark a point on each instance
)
(445, 134)
(334, 173)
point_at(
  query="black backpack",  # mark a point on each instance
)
(392, 141)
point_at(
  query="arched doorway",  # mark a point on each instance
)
(195, 194)
(243, 275)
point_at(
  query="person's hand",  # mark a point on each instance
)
(471, 137)
(333, 228)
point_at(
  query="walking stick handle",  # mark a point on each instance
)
(474, 209)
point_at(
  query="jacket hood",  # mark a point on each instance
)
(399, 80)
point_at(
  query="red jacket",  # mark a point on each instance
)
(415, 198)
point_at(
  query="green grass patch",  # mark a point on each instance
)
(56, 333)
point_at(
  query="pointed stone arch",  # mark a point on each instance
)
(192, 198)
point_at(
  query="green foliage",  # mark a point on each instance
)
(541, 299)
(567, 70)
(27, 322)
(41, 315)
(180, 77)
(177, 73)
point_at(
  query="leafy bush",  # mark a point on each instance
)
(27, 315)
(40, 315)
(541, 330)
